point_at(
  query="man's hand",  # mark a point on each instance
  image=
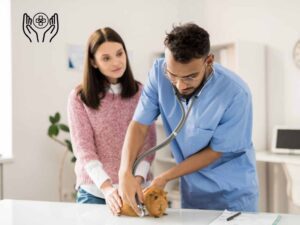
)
(112, 197)
(159, 181)
(128, 187)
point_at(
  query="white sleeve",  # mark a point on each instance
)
(143, 169)
(96, 172)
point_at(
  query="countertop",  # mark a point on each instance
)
(21, 212)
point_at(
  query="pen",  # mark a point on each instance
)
(233, 216)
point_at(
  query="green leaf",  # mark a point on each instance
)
(52, 120)
(69, 145)
(73, 159)
(53, 130)
(64, 127)
(57, 117)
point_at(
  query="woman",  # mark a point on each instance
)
(99, 112)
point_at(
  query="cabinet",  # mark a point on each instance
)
(247, 59)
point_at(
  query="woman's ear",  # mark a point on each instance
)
(93, 63)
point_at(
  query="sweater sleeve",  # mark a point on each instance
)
(96, 172)
(143, 169)
(82, 135)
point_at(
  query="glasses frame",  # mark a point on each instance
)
(187, 79)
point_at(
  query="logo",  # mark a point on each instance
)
(40, 28)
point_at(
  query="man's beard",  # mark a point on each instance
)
(188, 96)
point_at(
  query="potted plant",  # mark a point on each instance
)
(54, 130)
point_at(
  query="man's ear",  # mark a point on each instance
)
(93, 63)
(210, 59)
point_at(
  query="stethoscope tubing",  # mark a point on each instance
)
(174, 133)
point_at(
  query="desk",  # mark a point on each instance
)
(290, 165)
(266, 156)
(17, 212)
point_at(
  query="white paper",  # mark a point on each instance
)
(245, 219)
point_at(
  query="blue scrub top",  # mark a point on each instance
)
(221, 118)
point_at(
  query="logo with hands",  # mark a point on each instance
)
(40, 28)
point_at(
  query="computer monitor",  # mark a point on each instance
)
(286, 140)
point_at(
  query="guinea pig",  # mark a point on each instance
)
(155, 201)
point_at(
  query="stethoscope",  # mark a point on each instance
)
(184, 116)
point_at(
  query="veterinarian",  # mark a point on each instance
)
(214, 152)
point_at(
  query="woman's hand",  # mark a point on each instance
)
(112, 197)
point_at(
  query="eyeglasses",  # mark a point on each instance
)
(187, 79)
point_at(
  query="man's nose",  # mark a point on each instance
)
(180, 85)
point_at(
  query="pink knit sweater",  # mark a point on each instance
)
(99, 134)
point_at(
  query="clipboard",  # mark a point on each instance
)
(246, 219)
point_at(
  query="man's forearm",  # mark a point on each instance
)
(192, 164)
(134, 141)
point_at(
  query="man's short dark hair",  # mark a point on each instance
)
(188, 41)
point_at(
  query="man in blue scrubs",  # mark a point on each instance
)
(214, 152)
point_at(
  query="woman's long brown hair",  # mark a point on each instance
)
(94, 85)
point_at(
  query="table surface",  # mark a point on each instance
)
(267, 156)
(20, 212)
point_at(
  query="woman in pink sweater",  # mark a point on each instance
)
(99, 112)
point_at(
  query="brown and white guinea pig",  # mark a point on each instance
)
(155, 201)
